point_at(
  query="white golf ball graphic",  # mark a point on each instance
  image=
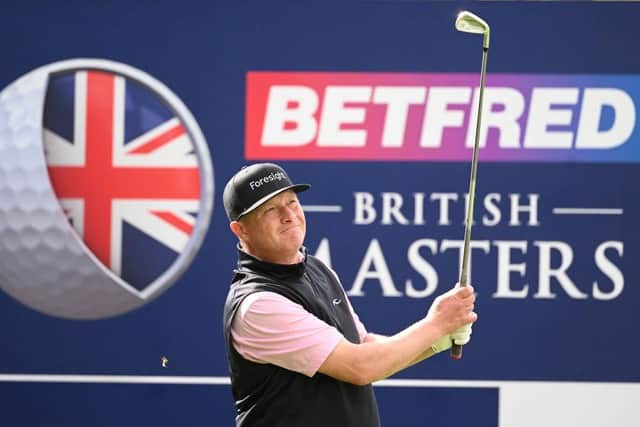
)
(68, 255)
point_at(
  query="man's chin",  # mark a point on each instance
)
(295, 243)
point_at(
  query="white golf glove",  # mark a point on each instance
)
(462, 335)
(441, 344)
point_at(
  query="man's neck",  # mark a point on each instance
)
(296, 258)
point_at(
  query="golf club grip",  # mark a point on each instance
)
(456, 351)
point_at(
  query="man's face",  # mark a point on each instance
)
(275, 231)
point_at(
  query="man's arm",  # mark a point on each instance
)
(423, 356)
(380, 357)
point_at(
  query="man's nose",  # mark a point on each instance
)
(287, 214)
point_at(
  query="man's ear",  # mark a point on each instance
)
(237, 228)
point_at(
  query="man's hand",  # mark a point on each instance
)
(452, 311)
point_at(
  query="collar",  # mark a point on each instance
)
(278, 271)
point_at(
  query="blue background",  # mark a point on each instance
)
(202, 51)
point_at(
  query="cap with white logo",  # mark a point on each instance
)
(253, 185)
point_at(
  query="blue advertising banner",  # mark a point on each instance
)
(121, 123)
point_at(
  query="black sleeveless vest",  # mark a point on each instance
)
(270, 396)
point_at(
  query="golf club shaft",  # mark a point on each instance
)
(456, 350)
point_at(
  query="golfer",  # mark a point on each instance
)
(298, 354)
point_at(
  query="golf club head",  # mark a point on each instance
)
(467, 22)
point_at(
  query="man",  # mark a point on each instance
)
(297, 352)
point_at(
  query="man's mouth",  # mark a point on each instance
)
(290, 228)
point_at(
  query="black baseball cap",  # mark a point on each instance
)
(253, 185)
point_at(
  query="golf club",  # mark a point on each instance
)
(467, 22)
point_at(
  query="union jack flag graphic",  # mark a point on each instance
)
(124, 169)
